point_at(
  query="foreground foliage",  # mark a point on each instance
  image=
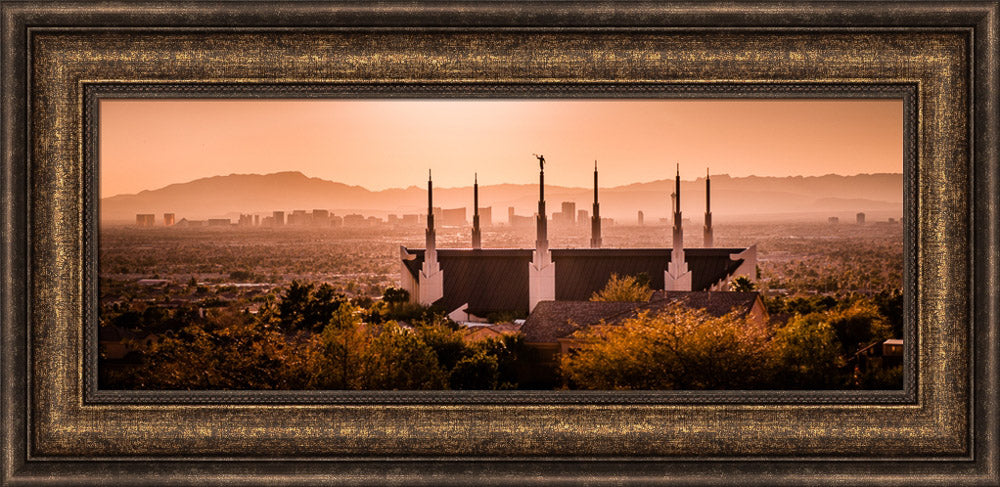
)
(678, 348)
(282, 349)
(681, 348)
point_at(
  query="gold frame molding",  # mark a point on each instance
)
(944, 425)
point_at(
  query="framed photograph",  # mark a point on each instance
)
(506, 243)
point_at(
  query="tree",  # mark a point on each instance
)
(808, 353)
(307, 307)
(627, 288)
(477, 371)
(395, 295)
(890, 305)
(859, 325)
(396, 359)
(224, 351)
(446, 342)
(336, 354)
(742, 284)
(677, 348)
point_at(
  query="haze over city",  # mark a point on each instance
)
(381, 144)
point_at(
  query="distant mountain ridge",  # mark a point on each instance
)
(230, 195)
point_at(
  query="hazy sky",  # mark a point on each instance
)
(378, 144)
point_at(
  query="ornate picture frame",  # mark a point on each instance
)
(941, 428)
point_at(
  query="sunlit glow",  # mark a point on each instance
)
(378, 144)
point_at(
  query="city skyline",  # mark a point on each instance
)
(148, 144)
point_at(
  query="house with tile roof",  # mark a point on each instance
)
(550, 327)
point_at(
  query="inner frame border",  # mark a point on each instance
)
(94, 91)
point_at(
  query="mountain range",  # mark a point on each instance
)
(745, 197)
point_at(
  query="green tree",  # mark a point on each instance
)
(808, 353)
(224, 351)
(480, 370)
(396, 359)
(445, 341)
(395, 295)
(336, 354)
(859, 325)
(677, 348)
(307, 307)
(742, 284)
(627, 288)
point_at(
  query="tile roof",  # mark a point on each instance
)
(496, 280)
(716, 303)
(552, 320)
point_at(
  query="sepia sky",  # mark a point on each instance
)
(378, 144)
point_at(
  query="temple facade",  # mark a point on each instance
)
(472, 283)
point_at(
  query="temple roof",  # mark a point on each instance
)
(496, 280)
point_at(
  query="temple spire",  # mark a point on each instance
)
(541, 269)
(476, 233)
(677, 277)
(430, 237)
(595, 220)
(430, 287)
(678, 229)
(709, 239)
(541, 222)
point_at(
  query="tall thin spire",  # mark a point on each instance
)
(709, 239)
(595, 220)
(677, 187)
(677, 276)
(678, 230)
(476, 234)
(431, 280)
(541, 222)
(541, 269)
(431, 241)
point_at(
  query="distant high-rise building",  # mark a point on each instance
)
(639, 218)
(453, 217)
(144, 219)
(486, 216)
(299, 217)
(320, 218)
(568, 214)
(256, 220)
(278, 218)
(861, 218)
(582, 216)
(354, 220)
(168, 219)
(411, 220)
(518, 220)
(336, 221)
(219, 222)
(833, 220)
(245, 220)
